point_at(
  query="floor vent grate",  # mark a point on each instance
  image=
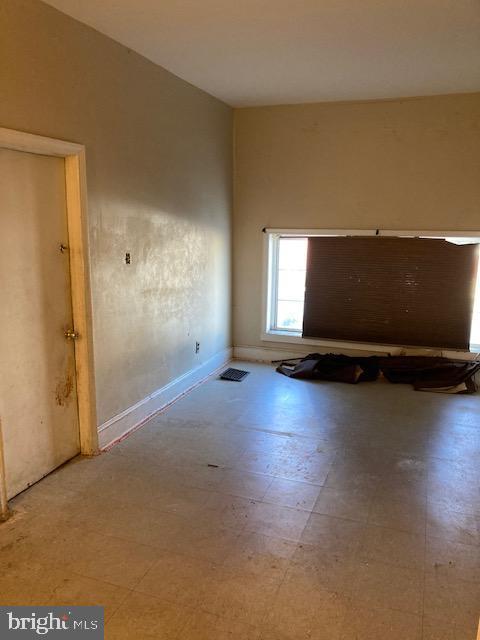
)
(236, 375)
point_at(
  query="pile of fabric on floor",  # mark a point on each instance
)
(425, 373)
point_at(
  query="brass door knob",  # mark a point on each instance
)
(71, 334)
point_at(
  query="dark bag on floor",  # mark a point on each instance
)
(426, 373)
(336, 368)
(431, 374)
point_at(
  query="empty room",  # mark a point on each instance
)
(240, 319)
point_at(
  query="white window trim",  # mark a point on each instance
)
(270, 275)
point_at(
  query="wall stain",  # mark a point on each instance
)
(64, 390)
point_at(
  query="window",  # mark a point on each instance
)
(287, 266)
(475, 329)
(288, 284)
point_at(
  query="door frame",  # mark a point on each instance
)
(76, 205)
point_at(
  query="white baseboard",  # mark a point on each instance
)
(120, 426)
(267, 354)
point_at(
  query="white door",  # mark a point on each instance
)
(38, 402)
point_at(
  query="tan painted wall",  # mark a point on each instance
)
(403, 164)
(159, 185)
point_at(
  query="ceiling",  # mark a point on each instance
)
(259, 52)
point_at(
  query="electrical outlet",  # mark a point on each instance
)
(197, 347)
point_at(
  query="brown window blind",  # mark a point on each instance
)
(402, 291)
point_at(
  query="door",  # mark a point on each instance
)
(38, 403)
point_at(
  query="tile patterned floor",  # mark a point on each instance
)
(333, 512)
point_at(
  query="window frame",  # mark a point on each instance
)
(271, 245)
(273, 281)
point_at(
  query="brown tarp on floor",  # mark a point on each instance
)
(425, 373)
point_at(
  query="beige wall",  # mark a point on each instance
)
(159, 185)
(403, 164)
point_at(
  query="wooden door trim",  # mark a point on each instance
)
(4, 510)
(76, 202)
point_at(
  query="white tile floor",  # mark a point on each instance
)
(332, 512)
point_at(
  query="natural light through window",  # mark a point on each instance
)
(475, 328)
(290, 285)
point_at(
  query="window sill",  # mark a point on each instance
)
(295, 337)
